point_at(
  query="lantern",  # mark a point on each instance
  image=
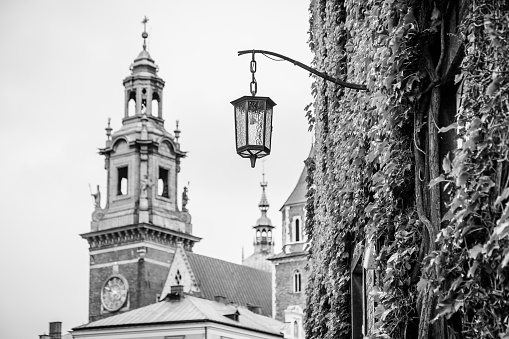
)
(253, 126)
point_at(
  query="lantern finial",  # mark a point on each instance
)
(252, 157)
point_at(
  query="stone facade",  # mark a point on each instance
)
(284, 286)
(290, 274)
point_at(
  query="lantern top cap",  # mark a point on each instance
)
(253, 98)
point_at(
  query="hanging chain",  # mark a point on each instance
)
(253, 86)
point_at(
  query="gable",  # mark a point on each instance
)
(180, 273)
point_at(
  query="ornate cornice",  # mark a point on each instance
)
(138, 233)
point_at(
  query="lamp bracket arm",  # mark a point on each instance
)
(307, 68)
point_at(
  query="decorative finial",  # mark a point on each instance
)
(144, 35)
(264, 203)
(108, 129)
(263, 183)
(177, 132)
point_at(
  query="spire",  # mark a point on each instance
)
(144, 35)
(263, 205)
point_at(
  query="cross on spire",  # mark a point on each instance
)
(144, 35)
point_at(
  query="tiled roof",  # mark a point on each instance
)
(239, 284)
(298, 194)
(188, 309)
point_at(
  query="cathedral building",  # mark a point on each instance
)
(141, 241)
(145, 279)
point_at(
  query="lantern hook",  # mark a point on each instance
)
(307, 68)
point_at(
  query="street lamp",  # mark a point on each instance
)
(253, 115)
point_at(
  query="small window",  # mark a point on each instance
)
(131, 105)
(155, 104)
(162, 183)
(297, 286)
(297, 230)
(295, 329)
(122, 180)
(178, 277)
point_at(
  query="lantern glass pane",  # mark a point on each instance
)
(240, 124)
(268, 127)
(255, 116)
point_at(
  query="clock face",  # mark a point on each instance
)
(114, 293)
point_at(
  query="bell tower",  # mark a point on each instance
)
(263, 242)
(134, 236)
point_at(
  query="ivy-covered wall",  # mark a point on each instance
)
(417, 165)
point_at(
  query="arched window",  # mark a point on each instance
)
(258, 233)
(155, 104)
(131, 105)
(295, 329)
(264, 234)
(297, 282)
(297, 230)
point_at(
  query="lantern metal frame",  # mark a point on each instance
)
(259, 151)
(247, 150)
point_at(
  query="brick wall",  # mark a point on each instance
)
(145, 278)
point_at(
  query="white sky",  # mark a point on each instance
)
(62, 65)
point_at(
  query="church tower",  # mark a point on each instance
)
(263, 243)
(290, 273)
(133, 238)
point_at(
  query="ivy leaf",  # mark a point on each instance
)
(446, 164)
(386, 313)
(448, 128)
(435, 18)
(409, 17)
(505, 261)
(473, 268)
(474, 251)
(462, 178)
(502, 196)
(422, 284)
(502, 230)
(437, 180)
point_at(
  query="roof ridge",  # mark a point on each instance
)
(226, 261)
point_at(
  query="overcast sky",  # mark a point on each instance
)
(62, 65)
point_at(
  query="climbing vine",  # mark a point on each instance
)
(387, 169)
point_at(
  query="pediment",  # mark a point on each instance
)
(180, 273)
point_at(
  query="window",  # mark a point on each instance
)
(295, 329)
(122, 180)
(297, 230)
(297, 286)
(131, 105)
(178, 277)
(155, 104)
(162, 183)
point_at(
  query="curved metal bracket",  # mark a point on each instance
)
(307, 68)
